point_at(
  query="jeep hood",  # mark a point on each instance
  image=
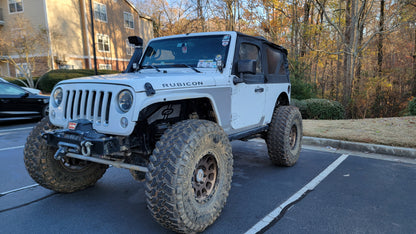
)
(159, 80)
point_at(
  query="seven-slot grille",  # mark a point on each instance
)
(87, 104)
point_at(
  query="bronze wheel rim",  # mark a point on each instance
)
(293, 136)
(204, 178)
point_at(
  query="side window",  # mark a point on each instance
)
(276, 66)
(282, 70)
(274, 58)
(251, 52)
(6, 89)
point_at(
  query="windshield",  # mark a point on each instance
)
(200, 52)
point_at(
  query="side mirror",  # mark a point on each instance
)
(244, 67)
(25, 95)
(135, 40)
(247, 66)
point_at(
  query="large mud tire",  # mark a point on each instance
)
(66, 175)
(189, 176)
(284, 137)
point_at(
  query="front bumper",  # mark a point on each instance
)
(83, 139)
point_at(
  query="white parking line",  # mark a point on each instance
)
(310, 186)
(19, 189)
(15, 129)
(11, 148)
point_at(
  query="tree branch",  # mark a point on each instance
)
(329, 20)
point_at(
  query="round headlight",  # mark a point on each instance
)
(125, 100)
(57, 96)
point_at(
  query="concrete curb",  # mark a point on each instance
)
(361, 147)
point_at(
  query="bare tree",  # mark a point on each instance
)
(24, 47)
(357, 13)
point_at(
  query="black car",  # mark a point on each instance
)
(16, 101)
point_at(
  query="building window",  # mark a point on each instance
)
(100, 12)
(103, 43)
(129, 47)
(104, 66)
(15, 6)
(128, 20)
(25, 69)
(67, 67)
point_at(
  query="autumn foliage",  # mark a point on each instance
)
(361, 53)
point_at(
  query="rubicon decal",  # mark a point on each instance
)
(183, 84)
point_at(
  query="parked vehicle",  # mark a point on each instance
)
(16, 102)
(169, 119)
(32, 90)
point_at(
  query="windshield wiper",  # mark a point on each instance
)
(186, 65)
(156, 68)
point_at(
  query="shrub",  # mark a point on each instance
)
(324, 109)
(51, 78)
(319, 108)
(301, 104)
(412, 106)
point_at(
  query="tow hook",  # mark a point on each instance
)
(86, 148)
(60, 153)
(65, 148)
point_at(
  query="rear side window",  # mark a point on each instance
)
(282, 70)
(276, 66)
(274, 59)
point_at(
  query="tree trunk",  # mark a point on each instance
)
(292, 31)
(230, 26)
(200, 14)
(305, 37)
(380, 39)
(347, 53)
(339, 57)
(414, 68)
(358, 65)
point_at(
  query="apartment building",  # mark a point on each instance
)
(114, 21)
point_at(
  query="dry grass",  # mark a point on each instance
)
(400, 131)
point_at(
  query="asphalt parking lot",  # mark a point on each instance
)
(325, 192)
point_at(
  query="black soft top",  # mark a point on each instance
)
(264, 40)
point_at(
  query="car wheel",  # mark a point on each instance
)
(45, 111)
(189, 176)
(284, 137)
(65, 175)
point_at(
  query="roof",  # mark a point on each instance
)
(140, 15)
(239, 34)
(264, 40)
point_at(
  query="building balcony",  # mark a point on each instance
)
(1, 17)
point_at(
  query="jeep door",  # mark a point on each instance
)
(248, 97)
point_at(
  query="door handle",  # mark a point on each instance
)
(259, 90)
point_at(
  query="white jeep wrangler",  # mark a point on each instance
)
(169, 119)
